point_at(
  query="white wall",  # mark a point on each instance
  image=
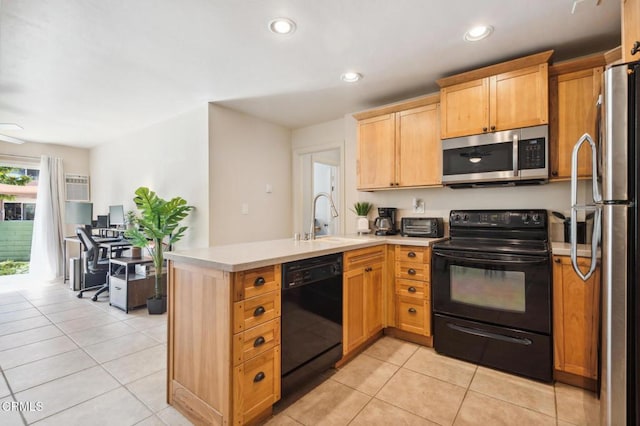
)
(438, 201)
(170, 158)
(75, 160)
(246, 154)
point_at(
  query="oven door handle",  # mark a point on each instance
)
(528, 261)
(489, 335)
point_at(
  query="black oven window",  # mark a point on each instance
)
(488, 288)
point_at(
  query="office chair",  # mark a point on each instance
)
(96, 263)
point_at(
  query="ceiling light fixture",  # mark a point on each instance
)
(282, 26)
(351, 77)
(10, 126)
(478, 33)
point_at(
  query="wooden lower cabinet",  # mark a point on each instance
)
(413, 289)
(576, 316)
(223, 347)
(363, 296)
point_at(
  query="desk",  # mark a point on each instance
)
(115, 245)
(128, 289)
(109, 232)
(74, 239)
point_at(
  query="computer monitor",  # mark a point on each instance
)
(103, 221)
(78, 213)
(116, 215)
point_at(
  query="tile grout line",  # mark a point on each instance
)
(13, 396)
(466, 391)
(98, 364)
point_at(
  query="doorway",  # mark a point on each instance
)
(317, 171)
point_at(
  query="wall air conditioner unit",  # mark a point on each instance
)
(77, 187)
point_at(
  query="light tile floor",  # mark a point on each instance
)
(72, 361)
(79, 362)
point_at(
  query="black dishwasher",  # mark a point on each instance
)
(311, 319)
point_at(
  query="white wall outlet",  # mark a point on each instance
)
(269, 188)
(418, 206)
(245, 208)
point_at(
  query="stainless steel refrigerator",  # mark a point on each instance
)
(615, 234)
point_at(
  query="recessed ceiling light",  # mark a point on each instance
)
(351, 77)
(10, 126)
(282, 26)
(478, 33)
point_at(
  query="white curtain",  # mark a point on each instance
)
(48, 233)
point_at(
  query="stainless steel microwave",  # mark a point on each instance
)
(518, 156)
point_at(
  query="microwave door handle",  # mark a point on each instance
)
(515, 155)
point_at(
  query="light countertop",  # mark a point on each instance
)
(244, 256)
(564, 249)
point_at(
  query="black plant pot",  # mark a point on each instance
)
(157, 306)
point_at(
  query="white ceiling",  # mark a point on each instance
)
(82, 72)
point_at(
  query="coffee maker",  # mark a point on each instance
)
(386, 221)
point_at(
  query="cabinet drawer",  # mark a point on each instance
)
(255, 282)
(413, 288)
(255, 341)
(363, 257)
(256, 386)
(118, 293)
(255, 311)
(413, 271)
(414, 315)
(413, 254)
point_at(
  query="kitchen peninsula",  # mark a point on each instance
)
(224, 317)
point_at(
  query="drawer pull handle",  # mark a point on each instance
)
(259, 282)
(412, 310)
(259, 342)
(259, 311)
(411, 271)
(411, 290)
(118, 288)
(411, 254)
(557, 260)
(259, 377)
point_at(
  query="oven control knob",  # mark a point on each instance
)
(456, 217)
(466, 217)
(536, 217)
(525, 218)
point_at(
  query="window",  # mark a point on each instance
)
(19, 211)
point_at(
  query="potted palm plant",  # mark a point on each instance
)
(157, 225)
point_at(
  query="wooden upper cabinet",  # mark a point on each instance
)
(519, 98)
(576, 317)
(401, 147)
(505, 96)
(465, 108)
(418, 155)
(376, 152)
(630, 30)
(573, 99)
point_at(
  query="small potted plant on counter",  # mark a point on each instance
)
(157, 225)
(362, 208)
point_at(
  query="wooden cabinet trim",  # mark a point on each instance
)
(398, 107)
(578, 64)
(523, 62)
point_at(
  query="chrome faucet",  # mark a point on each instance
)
(334, 212)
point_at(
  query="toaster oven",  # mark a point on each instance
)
(430, 227)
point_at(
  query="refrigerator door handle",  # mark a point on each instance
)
(589, 207)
